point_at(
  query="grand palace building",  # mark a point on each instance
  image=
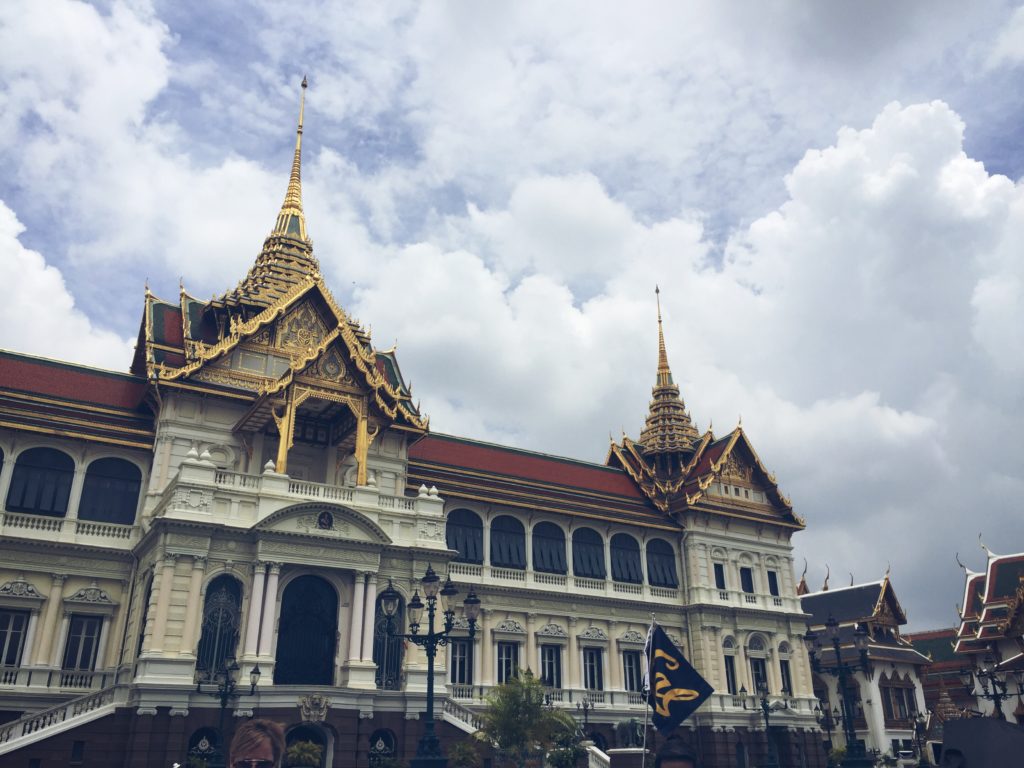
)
(240, 498)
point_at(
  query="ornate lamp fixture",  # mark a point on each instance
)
(428, 750)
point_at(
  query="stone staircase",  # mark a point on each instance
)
(63, 717)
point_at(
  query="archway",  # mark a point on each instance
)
(307, 633)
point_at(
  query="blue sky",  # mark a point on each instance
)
(827, 194)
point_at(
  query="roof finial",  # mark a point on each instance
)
(664, 374)
(851, 578)
(964, 567)
(828, 572)
(290, 221)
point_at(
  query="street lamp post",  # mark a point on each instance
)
(226, 690)
(856, 757)
(920, 725)
(428, 750)
(990, 678)
(585, 706)
(766, 709)
(827, 719)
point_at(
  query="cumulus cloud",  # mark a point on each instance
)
(38, 315)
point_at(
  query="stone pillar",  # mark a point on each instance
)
(53, 602)
(532, 662)
(358, 617)
(614, 661)
(574, 680)
(75, 497)
(529, 548)
(30, 636)
(269, 611)
(369, 616)
(193, 609)
(252, 621)
(486, 649)
(487, 546)
(62, 636)
(101, 643)
(163, 600)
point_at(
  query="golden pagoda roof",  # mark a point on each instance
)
(668, 428)
(287, 255)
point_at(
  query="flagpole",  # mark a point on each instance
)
(647, 687)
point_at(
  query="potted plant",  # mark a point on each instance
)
(303, 754)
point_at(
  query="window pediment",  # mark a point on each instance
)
(20, 592)
(331, 521)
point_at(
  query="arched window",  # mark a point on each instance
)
(41, 482)
(387, 648)
(111, 492)
(729, 655)
(758, 663)
(464, 533)
(661, 564)
(626, 559)
(307, 633)
(222, 611)
(383, 748)
(785, 675)
(548, 548)
(508, 543)
(588, 554)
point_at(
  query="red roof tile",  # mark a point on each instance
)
(539, 467)
(71, 382)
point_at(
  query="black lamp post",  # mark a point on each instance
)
(827, 719)
(989, 678)
(428, 751)
(856, 757)
(772, 760)
(585, 706)
(920, 726)
(226, 681)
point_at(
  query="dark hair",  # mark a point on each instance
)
(253, 732)
(675, 749)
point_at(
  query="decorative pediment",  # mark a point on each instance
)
(91, 594)
(633, 637)
(330, 521)
(300, 330)
(593, 633)
(510, 626)
(20, 589)
(552, 630)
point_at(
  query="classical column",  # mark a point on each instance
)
(30, 636)
(101, 644)
(532, 662)
(614, 661)
(369, 615)
(269, 611)
(486, 649)
(62, 637)
(355, 628)
(252, 621)
(53, 602)
(574, 657)
(194, 608)
(75, 496)
(163, 600)
(529, 547)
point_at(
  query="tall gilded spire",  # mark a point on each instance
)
(287, 255)
(668, 428)
(664, 373)
(290, 221)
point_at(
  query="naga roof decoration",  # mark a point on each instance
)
(668, 427)
(674, 466)
(284, 311)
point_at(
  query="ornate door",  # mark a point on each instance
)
(307, 633)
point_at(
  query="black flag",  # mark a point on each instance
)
(675, 689)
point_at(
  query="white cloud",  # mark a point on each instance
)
(37, 313)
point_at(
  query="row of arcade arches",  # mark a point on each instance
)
(42, 479)
(307, 633)
(549, 554)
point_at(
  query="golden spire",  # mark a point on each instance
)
(664, 373)
(668, 428)
(290, 221)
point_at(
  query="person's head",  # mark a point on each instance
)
(675, 753)
(257, 744)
